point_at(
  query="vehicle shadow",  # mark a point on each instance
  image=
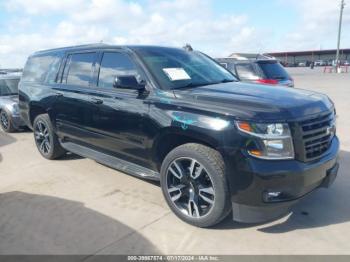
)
(6, 139)
(70, 156)
(321, 208)
(38, 224)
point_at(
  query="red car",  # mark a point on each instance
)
(263, 71)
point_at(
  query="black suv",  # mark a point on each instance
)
(175, 115)
(262, 70)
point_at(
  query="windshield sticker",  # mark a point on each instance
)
(176, 74)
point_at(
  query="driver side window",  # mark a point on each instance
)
(115, 64)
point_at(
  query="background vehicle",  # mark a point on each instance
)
(261, 71)
(10, 119)
(320, 63)
(217, 145)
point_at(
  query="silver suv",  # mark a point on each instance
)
(10, 119)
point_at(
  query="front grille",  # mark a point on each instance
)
(313, 136)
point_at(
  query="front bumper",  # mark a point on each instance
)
(267, 189)
(17, 121)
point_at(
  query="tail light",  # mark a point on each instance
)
(267, 81)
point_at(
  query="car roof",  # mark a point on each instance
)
(245, 61)
(16, 75)
(101, 46)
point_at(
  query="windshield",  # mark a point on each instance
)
(273, 70)
(8, 87)
(176, 68)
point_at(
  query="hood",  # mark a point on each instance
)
(9, 100)
(257, 102)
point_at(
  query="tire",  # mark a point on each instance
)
(45, 138)
(204, 200)
(6, 122)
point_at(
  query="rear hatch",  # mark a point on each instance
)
(274, 73)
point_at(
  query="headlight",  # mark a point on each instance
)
(15, 109)
(272, 141)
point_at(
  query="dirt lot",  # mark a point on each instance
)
(76, 206)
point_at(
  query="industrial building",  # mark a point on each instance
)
(296, 57)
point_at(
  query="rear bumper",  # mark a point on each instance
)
(270, 188)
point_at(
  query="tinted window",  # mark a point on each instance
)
(246, 71)
(112, 65)
(177, 68)
(224, 64)
(37, 67)
(79, 71)
(231, 67)
(8, 87)
(273, 70)
(53, 71)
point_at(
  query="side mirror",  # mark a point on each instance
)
(128, 82)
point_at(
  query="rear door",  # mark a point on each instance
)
(74, 111)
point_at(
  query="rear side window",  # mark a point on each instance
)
(78, 69)
(41, 69)
(273, 70)
(113, 65)
(247, 71)
(8, 87)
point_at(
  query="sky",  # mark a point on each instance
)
(216, 27)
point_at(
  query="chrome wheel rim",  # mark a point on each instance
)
(4, 121)
(189, 187)
(42, 137)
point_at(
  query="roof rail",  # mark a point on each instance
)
(71, 47)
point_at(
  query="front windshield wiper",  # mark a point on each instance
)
(227, 80)
(190, 85)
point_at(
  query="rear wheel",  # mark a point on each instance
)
(5, 122)
(45, 138)
(194, 185)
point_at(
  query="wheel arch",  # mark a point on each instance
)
(34, 111)
(170, 138)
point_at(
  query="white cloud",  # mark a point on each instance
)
(42, 7)
(317, 27)
(163, 22)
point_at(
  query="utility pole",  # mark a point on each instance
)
(342, 4)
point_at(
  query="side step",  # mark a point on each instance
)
(111, 161)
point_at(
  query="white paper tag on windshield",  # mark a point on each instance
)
(176, 74)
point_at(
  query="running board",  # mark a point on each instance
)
(111, 161)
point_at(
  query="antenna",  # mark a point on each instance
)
(188, 47)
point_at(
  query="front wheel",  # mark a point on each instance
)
(194, 184)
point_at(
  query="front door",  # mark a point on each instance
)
(120, 120)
